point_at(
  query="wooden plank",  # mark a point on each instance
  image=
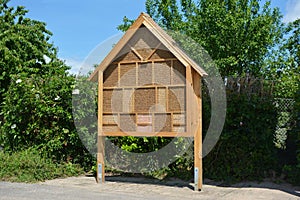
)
(198, 132)
(137, 74)
(167, 99)
(100, 159)
(144, 86)
(144, 113)
(119, 74)
(152, 60)
(171, 73)
(136, 53)
(172, 123)
(153, 74)
(189, 107)
(153, 51)
(148, 134)
(101, 138)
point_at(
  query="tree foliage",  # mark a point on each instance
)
(36, 89)
(23, 45)
(241, 36)
(238, 34)
(283, 64)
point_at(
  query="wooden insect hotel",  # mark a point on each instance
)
(147, 86)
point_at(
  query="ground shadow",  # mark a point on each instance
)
(174, 182)
(284, 187)
(139, 179)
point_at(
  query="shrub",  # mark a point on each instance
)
(245, 149)
(29, 166)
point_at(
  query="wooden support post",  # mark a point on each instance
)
(198, 133)
(189, 96)
(100, 160)
(101, 138)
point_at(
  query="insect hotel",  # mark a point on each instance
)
(148, 87)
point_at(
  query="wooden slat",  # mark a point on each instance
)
(136, 53)
(136, 74)
(152, 60)
(153, 74)
(145, 113)
(153, 51)
(119, 74)
(144, 86)
(171, 72)
(148, 134)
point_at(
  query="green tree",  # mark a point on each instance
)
(283, 64)
(36, 89)
(23, 45)
(238, 34)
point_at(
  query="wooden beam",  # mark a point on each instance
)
(198, 132)
(153, 51)
(189, 96)
(149, 134)
(140, 61)
(101, 138)
(136, 53)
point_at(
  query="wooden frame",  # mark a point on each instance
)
(163, 85)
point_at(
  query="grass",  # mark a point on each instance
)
(29, 166)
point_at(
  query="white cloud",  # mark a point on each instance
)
(75, 64)
(292, 11)
(80, 67)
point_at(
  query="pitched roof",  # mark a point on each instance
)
(159, 33)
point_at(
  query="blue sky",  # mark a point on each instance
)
(79, 26)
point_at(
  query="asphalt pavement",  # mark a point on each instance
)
(75, 188)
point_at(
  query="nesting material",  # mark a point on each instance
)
(176, 99)
(179, 119)
(145, 74)
(179, 129)
(110, 128)
(144, 129)
(112, 100)
(162, 53)
(142, 48)
(161, 99)
(127, 122)
(110, 119)
(128, 74)
(178, 73)
(127, 101)
(110, 76)
(162, 73)
(163, 122)
(144, 99)
(144, 119)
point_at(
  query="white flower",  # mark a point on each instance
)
(75, 91)
(57, 98)
(13, 126)
(18, 81)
